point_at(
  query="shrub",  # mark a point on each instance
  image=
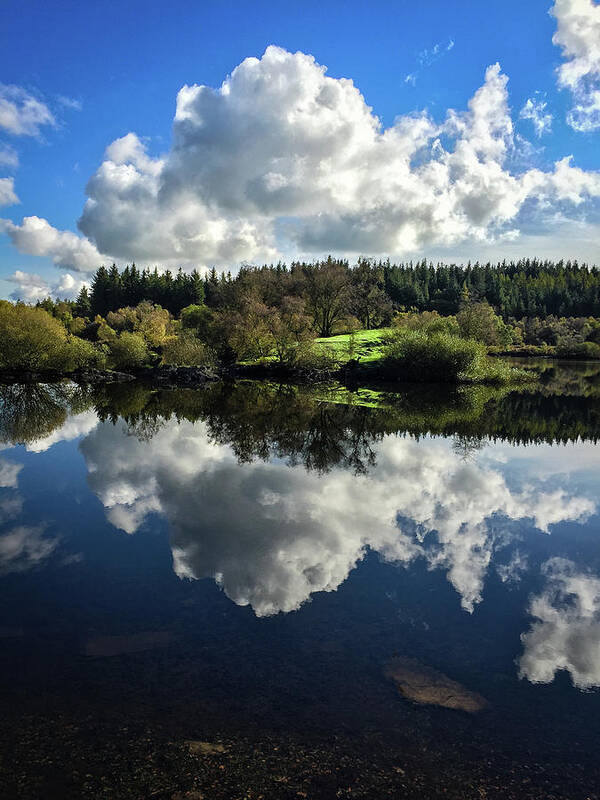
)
(443, 358)
(581, 350)
(439, 357)
(128, 350)
(32, 339)
(186, 351)
(82, 353)
(194, 316)
(315, 357)
(349, 324)
(428, 322)
(478, 320)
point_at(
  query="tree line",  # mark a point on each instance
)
(367, 291)
(132, 317)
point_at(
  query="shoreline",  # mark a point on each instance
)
(352, 374)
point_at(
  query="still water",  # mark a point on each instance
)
(255, 590)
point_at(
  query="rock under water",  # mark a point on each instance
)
(427, 686)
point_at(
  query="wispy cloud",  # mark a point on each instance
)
(70, 102)
(22, 114)
(8, 156)
(427, 57)
(535, 110)
(8, 196)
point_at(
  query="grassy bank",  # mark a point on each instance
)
(400, 354)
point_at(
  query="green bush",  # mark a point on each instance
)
(185, 350)
(443, 358)
(82, 353)
(581, 350)
(31, 339)
(127, 350)
(429, 322)
(313, 356)
(194, 316)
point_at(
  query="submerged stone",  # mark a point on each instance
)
(426, 686)
(206, 748)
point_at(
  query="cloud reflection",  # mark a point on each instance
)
(566, 632)
(272, 534)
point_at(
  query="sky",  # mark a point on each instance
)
(220, 133)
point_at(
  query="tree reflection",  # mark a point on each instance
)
(32, 411)
(325, 426)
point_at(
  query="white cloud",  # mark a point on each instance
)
(280, 138)
(427, 57)
(578, 35)
(535, 110)
(566, 631)
(9, 472)
(32, 287)
(11, 505)
(8, 156)
(283, 157)
(23, 548)
(21, 114)
(37, 237)
(69, 102)
(291, 532)
(8, 196)
(514, 570)
(74, 427)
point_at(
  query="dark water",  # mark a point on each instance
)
(239, 565)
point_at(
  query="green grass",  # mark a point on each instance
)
(415, 356)
(368, 345)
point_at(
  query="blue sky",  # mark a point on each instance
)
(104, 70)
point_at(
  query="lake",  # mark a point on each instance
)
(254, 590)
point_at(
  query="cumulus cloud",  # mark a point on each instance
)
(578, 35)
(290, 532)
(21, 114)
(74, 427)
(37, 237)
(32, 287)
(8, 196)
(283, 157)
(281, 138)
(541, 119)
(566, 631)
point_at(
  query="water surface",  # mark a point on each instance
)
(240, 565)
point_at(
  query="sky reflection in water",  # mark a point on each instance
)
(477, 545)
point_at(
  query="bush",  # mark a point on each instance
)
(128, 350)
(581, 350)
(349, 324)
(478, 320)
(82, 353)
(314, 357)
(429, 322)
(186, 351)
(31, 339)
(440, 357)
(194, 316)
